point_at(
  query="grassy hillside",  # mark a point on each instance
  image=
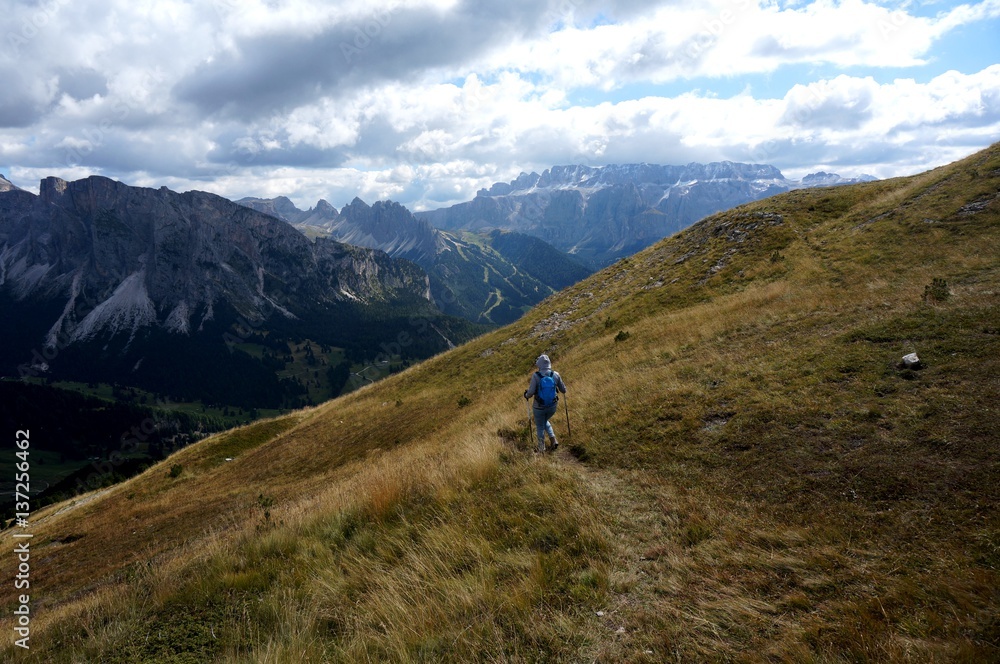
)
(751, 476)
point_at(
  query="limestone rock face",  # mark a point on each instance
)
(119, 258)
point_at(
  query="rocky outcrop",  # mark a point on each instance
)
(5, 184)
(387, 226)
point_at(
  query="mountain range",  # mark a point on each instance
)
(601, 214)
(489, 277)
(152, 288)
(594, 214)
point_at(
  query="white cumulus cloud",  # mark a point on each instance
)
(426, 101)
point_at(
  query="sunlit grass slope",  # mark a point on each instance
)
(751, 475)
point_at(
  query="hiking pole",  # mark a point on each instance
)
(530, 418)
(569, 432)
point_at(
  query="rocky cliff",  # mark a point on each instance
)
(387, 226)
(126, 257)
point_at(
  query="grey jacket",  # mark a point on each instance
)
(532, 390)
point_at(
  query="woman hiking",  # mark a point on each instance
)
(544, 386)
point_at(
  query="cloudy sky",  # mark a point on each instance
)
(426, 101)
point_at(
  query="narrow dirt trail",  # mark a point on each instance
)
(636, 526)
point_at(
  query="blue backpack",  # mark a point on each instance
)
(546, 391)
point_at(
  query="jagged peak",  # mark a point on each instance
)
(390, 205)
(52, 188)
(356, 202)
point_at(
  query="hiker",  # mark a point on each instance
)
(544, 384)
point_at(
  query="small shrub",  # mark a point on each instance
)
(511, 436)
(590, 586)
(695, 532)
(176, 470)
(546, 538)
(936, 291)
(621, 336)
(464, 401)
(266, 502)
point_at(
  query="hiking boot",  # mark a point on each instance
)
(554, 447)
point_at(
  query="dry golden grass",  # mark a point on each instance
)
(749, 478)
